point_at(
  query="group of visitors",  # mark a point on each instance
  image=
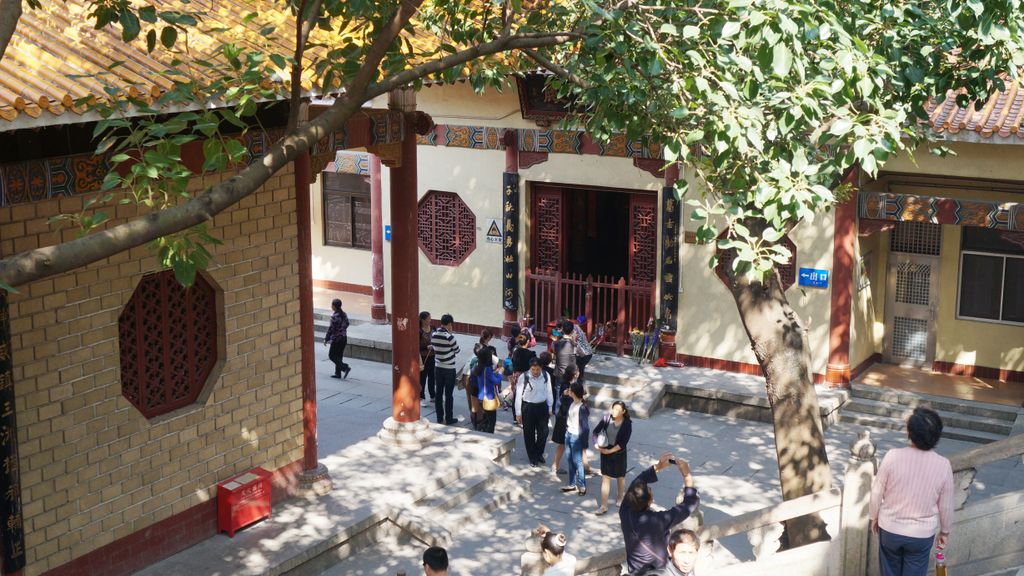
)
(911, 505)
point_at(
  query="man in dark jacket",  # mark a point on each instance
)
(646, 531)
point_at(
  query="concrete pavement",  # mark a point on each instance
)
(733, 462)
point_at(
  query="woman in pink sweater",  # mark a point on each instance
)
(912, 499)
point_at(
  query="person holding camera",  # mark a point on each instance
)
(646, 531)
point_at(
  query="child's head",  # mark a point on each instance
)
(545, 359)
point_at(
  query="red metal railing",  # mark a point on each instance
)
(550, 296)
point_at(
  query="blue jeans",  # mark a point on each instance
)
(575, 445)
(903, 555)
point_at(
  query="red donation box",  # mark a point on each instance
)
(243, 500)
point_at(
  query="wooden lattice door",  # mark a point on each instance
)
(548, 227)
(643, 239)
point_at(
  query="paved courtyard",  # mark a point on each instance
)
(733, 462)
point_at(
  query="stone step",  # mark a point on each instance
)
(949, 418)
(913, 399)
(498, 494)
(890, 423)
(458, 493)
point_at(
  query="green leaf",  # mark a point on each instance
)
(841, 126)
(168, 36)
(782, 60)
(977, 6)
(669, 29)
(730, 29)
(690, 31)
(7, 287)
(130, 26)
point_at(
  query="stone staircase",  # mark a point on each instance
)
(438, 517)
(963, 420)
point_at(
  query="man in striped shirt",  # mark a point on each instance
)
(445, 351)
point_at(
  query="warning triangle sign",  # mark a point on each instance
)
(494, 231)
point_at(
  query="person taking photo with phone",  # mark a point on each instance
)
(646, 531)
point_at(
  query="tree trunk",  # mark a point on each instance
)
(779, 341)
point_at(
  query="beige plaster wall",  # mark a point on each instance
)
(867, 325)
(709, 323)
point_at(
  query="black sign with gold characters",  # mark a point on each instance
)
(13, 539)
(510, 245)
(669, 256)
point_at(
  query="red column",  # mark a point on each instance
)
(405, 277)
(511, 141)
(302, 208)
(837, 373)
(378, 311)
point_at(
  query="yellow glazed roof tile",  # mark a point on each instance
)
(57, 57)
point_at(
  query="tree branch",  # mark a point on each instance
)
(10, 13)
(301, 36)
(485, 49)
(555, 68)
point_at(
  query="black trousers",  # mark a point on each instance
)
(535, 429)
(581, 363)
(337, 354)
(427, 378)
(444, 387)
(487, 421)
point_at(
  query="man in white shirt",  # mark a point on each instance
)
(533, 408)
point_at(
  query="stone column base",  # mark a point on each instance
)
(412, 434)
(314, 483)
(838, 376)
(379, 314)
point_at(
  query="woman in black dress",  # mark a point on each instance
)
(612, 436)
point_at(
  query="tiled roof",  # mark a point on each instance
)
(999, 117)
(57, 57)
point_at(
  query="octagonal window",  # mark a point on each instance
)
(169, 343)
(787, 272)
(446, 228)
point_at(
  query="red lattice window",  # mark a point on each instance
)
(446, 228)
(168, 341)
(787, 272)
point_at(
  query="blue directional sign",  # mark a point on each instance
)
(387, 233)
(814, 277)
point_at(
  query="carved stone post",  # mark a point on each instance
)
(854, 521)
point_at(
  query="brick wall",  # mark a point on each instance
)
(93, 469)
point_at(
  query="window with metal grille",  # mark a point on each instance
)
(786, 272)
(346, 210)
(446, 228)
(991, 275)
(922, 238)
(168, 338)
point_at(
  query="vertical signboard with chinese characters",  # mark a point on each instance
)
(10, 484)
(510, 244)
(669, 257)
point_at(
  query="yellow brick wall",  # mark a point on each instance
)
(93, 469)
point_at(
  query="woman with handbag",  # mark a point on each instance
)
(610, 438)
(487, 383)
